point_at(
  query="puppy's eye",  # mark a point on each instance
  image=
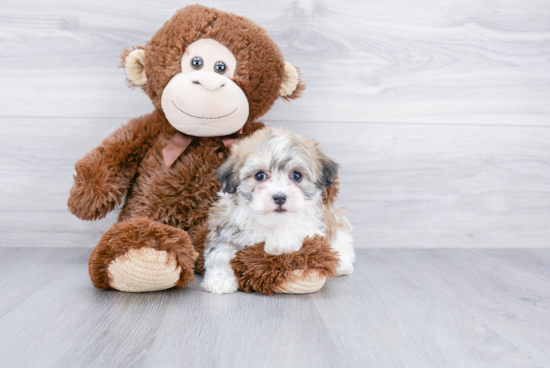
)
(196, 62)
(260, 176)
(296, 176)
(219, 67)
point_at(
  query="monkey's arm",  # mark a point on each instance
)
(103, 174)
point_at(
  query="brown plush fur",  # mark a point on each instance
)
(198, 237)
(257, 271)
(174, 201)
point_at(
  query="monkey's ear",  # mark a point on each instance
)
(229, 176)
(133, 62)
(292, 86)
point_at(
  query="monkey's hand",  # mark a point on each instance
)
(104, 174)
(97, 188)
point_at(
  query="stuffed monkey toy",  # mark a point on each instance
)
(210, 75)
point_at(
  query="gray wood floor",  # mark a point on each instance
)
(401, 308)
(438, 112)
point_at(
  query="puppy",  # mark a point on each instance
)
(278, 188)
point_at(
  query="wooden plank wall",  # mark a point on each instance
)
(438, 111)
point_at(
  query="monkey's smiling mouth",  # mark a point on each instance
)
(202, 117)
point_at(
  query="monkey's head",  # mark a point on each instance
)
(211, 72)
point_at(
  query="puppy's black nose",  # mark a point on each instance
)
(279, 198)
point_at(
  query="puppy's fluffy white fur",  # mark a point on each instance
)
(274, 191)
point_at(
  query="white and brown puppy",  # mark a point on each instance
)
(274, 185)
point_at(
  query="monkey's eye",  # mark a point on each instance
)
(296, 176)
(219, 67)
(260, 176)
(196, 62)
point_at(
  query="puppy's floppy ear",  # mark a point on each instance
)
(292, 86)
(329, 170)
(133, 62)
(229, 176)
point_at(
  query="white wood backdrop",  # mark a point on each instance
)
(438, 111)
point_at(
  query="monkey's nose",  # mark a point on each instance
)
(279, 198)
(209, 81)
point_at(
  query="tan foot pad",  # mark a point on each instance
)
(297, 284)
(144, 269)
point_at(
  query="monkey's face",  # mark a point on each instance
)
(211, 72)
(203, 100)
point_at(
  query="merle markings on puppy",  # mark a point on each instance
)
(276, 190)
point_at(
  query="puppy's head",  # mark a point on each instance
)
(276, 173)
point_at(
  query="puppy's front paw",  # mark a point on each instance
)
(282, 244)
(220, 283)
(344, 268)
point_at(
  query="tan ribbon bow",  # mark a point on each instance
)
(179, 143)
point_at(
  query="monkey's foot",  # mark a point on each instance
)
(144, 269)
(297, 283)
(139, 255)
